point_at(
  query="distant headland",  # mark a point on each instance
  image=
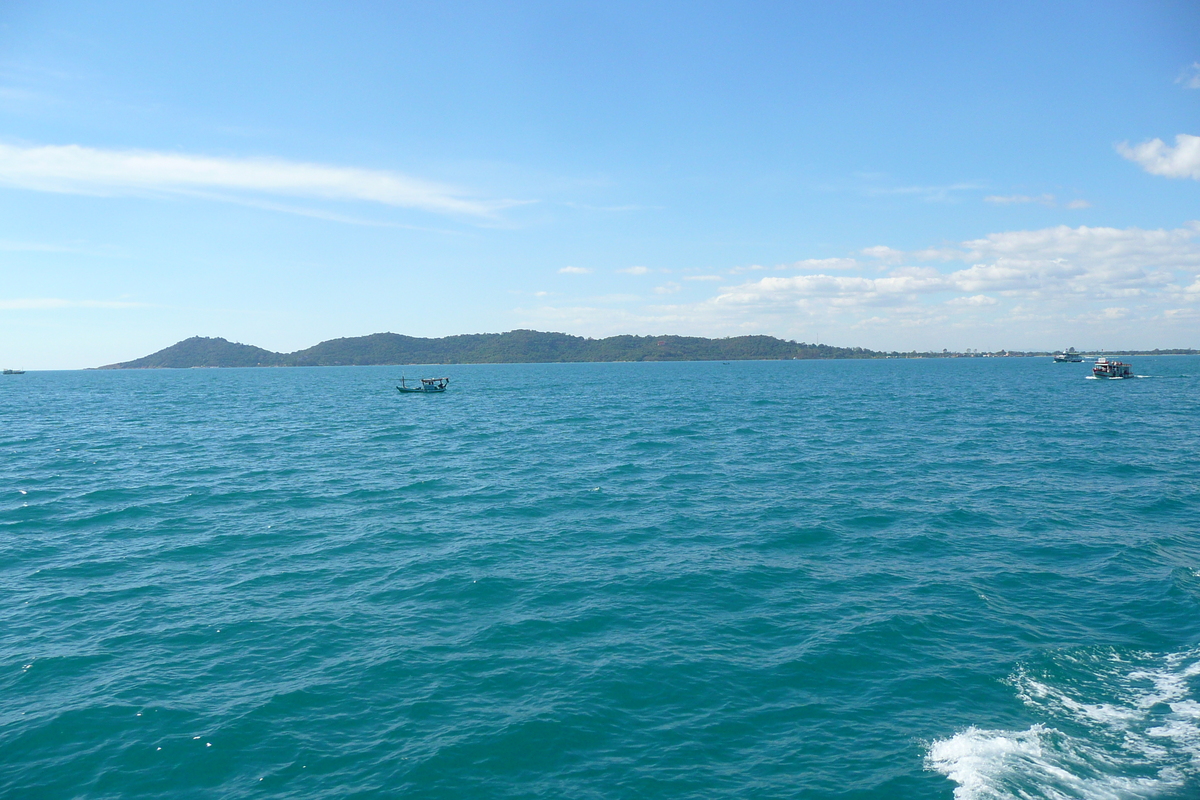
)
(520, 347)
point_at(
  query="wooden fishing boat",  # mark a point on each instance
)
(426, 386)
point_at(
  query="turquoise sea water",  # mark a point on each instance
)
(874, 579)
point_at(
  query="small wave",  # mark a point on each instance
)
(1113, 726)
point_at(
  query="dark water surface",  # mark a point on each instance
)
(876, 579)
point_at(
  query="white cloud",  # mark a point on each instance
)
(1079, 204)
(1018, 289)
(574, 271)
(1190, 77)
(74, 169)
(704, 278)
(1016, 199)
(1159, 158)
(635, 270)
(1124, 247)
(1095, 262)
(974, 300)
(883, 253)
(670, 287)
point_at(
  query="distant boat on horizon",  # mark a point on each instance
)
(14, 372)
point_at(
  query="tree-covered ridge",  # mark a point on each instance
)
(519, 346)
(200, 351)
(523, 347)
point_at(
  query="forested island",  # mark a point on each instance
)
(513, 347)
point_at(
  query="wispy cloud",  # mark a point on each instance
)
(1048, 200)
(704, 278)
(1017, 199)
(12, 93)
(313, 213)
(84, 170)
(1190, 77)
(826, 264)
(586, 207)
(933, 194)
(574, 271)
(807, 265)
(635, 270)
(46, 303)
(617, 298)
(1159, 158)
(9, 246)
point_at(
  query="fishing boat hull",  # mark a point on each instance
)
(425, 386)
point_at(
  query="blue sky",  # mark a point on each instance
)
(890, 175)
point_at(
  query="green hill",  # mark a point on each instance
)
(200, 351)
(520, 346)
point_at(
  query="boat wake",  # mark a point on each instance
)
(1112, 726)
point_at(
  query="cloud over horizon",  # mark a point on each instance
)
(1051, 280)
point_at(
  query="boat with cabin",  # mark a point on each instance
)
(14, 372)
(425, 386)
(1111, 369)
(1068, 356)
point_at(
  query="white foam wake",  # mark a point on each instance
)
(1113, 727)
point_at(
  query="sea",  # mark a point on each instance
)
(915, 578)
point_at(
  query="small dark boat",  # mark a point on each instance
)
(14, 372)
(426, 386)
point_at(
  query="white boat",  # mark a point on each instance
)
(1068, 356)
(1111, 369)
